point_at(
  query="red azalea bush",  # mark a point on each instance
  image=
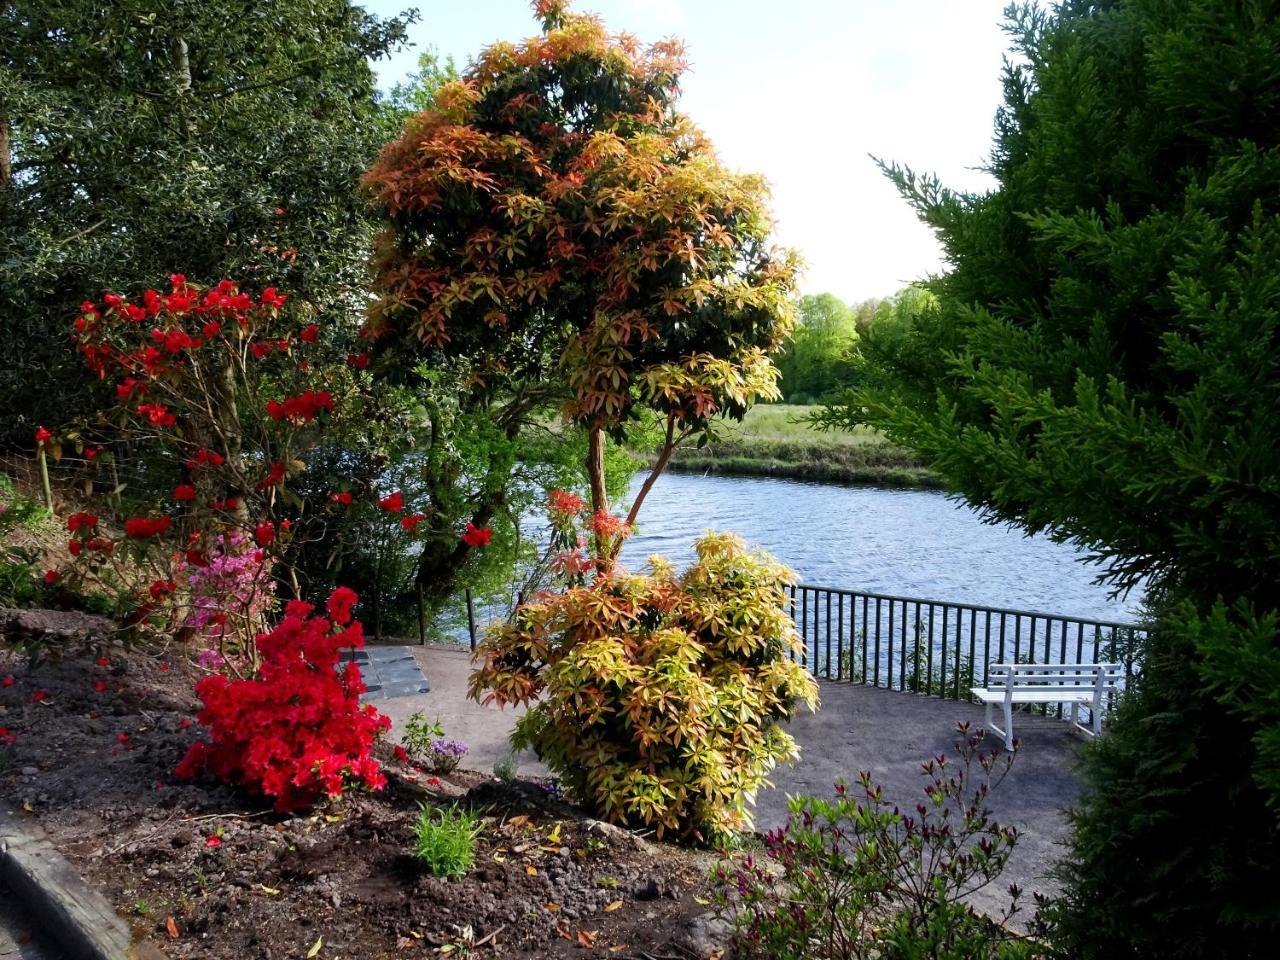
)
(297, 730)
(225, 392)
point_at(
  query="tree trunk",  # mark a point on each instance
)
(599, 492)
(6, 162)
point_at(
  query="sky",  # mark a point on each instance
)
(803, 91)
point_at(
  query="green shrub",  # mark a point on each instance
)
(856, 877)
(444, 840)
(658, 699)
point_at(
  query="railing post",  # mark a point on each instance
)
(471, 618)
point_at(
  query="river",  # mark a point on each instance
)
(915, 543)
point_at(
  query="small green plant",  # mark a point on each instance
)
(418, 735)
(444, 840)
(507, 768)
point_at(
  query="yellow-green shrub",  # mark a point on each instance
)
(658, 698)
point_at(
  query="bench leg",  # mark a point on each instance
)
(1008, 725)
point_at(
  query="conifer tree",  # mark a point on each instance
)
(1103, 365)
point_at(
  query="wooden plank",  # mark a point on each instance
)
(64, 907)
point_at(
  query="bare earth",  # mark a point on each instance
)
(857, 728)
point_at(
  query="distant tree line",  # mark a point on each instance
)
(820, 361)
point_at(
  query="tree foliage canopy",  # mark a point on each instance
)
(554, 219)
(1102, 365)
(137, 138)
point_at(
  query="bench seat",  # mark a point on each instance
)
(1067, 683)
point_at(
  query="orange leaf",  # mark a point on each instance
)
(172, 927)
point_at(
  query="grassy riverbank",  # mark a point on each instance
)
(771, 443)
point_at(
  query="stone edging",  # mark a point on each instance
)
(66, 909)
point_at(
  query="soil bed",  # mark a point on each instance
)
(203, 872)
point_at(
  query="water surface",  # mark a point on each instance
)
(916, 543)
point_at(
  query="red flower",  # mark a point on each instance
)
(103, 662)
(260, 350)
(401, 754)
(411, 523)
(140, 528)
(161, 587)
(343, 498)
(51, 576)
(158, 414)
(300, 409)
(91, 452)
(607, 525)
(43, 435)
(476, 536)
(264, 533)
(309, 333)
(203, 456)
(565, 504)
(184, 491)
(214, 842)
(358, 360)
(7, 680)
(393, 503)
(211, 329)
(40, 696)
(122, 738)
(129, 387)
(340, 603)
(274, 477)
(81, 520)
(74, 547)
(100, 686)
(197, 557)
(272, 299)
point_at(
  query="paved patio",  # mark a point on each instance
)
(857, 728)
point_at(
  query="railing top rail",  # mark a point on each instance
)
(1008, 611)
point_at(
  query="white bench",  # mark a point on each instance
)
(1074, 683)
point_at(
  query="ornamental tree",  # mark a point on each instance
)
(1101, 365)
(556, 225)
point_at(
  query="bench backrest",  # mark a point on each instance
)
(1030, 675)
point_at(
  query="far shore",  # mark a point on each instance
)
(774, 441)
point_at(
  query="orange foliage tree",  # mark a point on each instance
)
(556, 223)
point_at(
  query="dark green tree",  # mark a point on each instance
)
(1103, 365)
(139, 137)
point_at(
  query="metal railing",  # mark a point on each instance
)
(938, 647)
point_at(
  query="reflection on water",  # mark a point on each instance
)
(910, 542)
